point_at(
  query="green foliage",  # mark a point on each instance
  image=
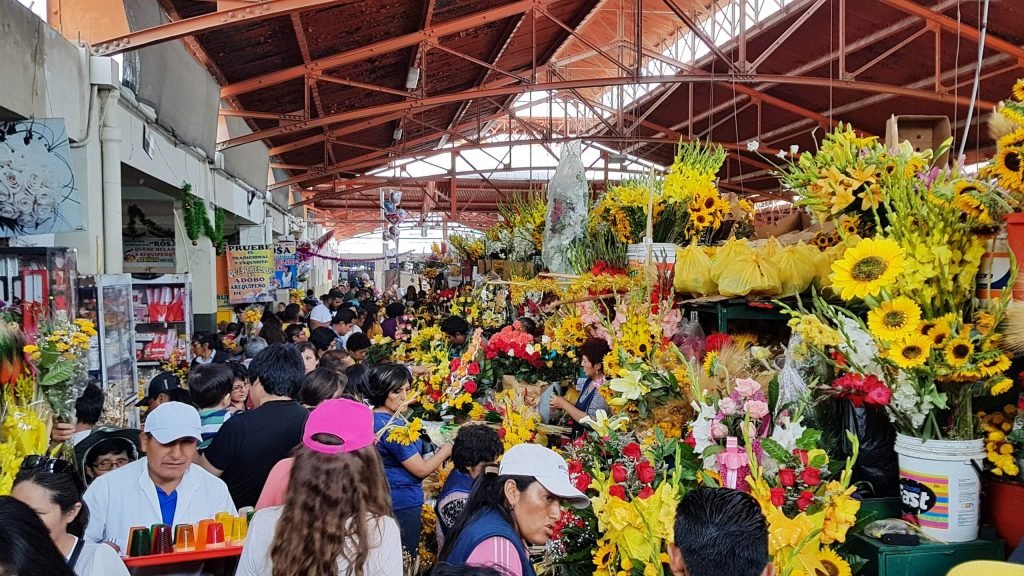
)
(197, 221)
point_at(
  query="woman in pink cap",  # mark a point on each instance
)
(337, 498)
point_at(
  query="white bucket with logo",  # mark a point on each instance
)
(940, 485)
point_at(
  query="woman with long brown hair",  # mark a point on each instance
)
(336, 518)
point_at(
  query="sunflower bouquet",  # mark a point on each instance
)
(59, 356)
(1006, 168)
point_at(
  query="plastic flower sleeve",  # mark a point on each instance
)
(567, 209)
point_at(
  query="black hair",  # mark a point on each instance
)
(65, 489)
(319, 385)
(455, 325)
(421, 294)
(109, 446)
(594, 350)
(721, 531)
(344, 316)
(385, 379)
(291, 313)
(89, 405)
(279, 369)
(488, 494)
(394, 310)
(321, 338)
(358, 341)
(232, 328)
(445, 569)
(529, 325)
(309, 345)
(476, 444)
(272, 331)
(292, 331)
(209, 384)
(27, 547)
(208, 338)
(410, 293)
(180, 395)
(358, 380)
(238, 372)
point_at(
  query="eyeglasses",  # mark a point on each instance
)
(239, 387)
(52, 465)
(108, 465)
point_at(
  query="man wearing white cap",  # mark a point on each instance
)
(165, 487)
(514, 505)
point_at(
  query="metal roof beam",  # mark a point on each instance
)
(475, 93)
(474, 20)
(700, 33)
(951, 25)
(258, 10)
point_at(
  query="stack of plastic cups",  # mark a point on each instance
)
(227, 520)
(215, 536)
(139, 541)
(162, 542)
(185, 538)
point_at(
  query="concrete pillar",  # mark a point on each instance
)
(256, 234)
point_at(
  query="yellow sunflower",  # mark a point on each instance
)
(711, 363)
(867, 268)
(833, 563)
(1018, 90)
(894, 319)
(997, 365)
(1001, 386)
(849, 224)
(984, 321)
(938, 334)
(1009, 167)
(911, 352)
(959, 351)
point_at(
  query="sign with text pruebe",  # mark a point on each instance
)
(285, 263)
(251, 274)
(149, 255)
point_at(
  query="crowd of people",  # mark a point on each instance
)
(293, 422)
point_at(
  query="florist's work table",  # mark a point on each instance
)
(736, 309)
(926, 558)
(182, 557)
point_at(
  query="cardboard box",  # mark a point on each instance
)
(923, 133)
(777, 226)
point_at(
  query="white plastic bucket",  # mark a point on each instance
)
(663, 255)
(940, 486)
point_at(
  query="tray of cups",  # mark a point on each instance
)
(157, 545)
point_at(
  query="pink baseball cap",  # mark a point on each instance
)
(349, 421)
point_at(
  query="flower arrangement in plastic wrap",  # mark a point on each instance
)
(428, 348)
(24, 428)
(469, 248)
(382, 348)
(515, 414)
(924, 339)
(634, 488)
(59, 356)
(454, 397)
(512, 353)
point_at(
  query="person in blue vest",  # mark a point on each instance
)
(475, 447)
(512, 506)
(592, 354)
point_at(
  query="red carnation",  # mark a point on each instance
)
(619, 473)
(633, 451)
(618, 491)
(811, 476)
(582, 481)
(645, 493)
(805, 500)
(716, 342)
(470, 387)
(645, 472)
(778, 496)
(787, 477)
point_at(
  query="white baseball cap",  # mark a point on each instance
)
(547, 467)
(173, 421)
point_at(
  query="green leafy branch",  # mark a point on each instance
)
(197, 221)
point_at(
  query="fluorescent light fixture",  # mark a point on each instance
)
(412, 79)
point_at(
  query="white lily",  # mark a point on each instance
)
(605, 425)
(629, 387)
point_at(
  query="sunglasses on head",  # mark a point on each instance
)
(52, 465)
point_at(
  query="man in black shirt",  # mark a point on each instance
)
(250, 443)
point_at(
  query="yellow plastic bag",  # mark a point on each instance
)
(727, 254)
(750, 275)
(693, 271)
(771, 248)
(823, 273)
(798, 267)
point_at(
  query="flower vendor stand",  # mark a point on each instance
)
(940, 482)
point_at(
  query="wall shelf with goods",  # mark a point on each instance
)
(106, 300)
(38, 284)
(162, 314)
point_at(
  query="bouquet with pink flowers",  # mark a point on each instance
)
(512, 352)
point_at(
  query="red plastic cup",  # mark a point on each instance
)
(215, 536)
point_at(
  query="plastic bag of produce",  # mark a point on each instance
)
(693, 271)
(823, 273)
(727, 254)
(771, 248)
(750, 275)
(798, 267)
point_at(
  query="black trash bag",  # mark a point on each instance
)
(877, 469)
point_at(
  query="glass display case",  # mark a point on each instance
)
(106, 300)
(162, 312)
(39, 284)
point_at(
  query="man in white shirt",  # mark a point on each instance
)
(165, 487)
(321, 315)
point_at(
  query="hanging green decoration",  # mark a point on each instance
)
(197, 221)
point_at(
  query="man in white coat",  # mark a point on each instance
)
(165, 487)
